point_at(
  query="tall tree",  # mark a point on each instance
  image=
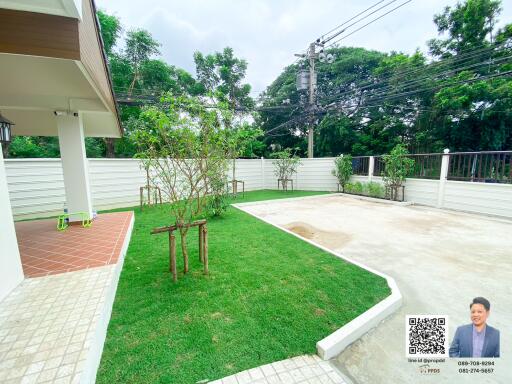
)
(469, 25)
(475, 115)
(140, 46)
(221, 74)
(110, 30)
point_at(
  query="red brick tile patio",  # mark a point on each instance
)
(46, 251)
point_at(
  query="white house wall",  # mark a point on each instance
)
(11, 272)
(37, 190)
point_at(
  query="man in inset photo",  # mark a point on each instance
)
(478, 339)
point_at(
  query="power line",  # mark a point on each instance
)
(312, 56)
(357, 21)
(352, 18)
(422, 70)
(422, 74)
(367, 24)
(467, 81)
(303, 53)
(376, 100)
(389, 88)
(405, 85)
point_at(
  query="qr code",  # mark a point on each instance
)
(426, 335)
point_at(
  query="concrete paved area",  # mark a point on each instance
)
(48, 326)
(301, 369)
(52, 328)
(440, 261)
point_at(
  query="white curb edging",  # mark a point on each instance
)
(376, 200)
(336, 342)
(98, 341)
(251, 203)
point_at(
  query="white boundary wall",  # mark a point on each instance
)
(36, 186)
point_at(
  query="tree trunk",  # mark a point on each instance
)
(184, 250)
(109, 147)
(147, 186)
(394, 192)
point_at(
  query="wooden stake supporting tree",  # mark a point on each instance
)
(203, 246)
(238, 140)
(157, 196)
(234, 186)
(284, 183)
(154, 190)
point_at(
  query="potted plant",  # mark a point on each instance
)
(343, 170)
(397, 167)
(285, 166)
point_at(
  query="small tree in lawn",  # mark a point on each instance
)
(343, 170)
(396, 168)
(186, 144)
(285, 165)
(239, 138)
(217, 194)
(145, 162)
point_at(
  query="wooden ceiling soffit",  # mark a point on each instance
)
(39, 34)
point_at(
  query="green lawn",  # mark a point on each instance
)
(269, 296)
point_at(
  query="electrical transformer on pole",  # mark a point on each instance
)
(306, 80)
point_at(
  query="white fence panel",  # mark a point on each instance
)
(36, 187)
(270, 177)
(422, 191)
(249, 171)
(488, 198)
(115, 182)
(312, 175)
(315, 175)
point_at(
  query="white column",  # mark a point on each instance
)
(74, 165)
(443, 177)
(371, 167)
(11, 272)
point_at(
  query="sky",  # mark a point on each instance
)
(267, 33)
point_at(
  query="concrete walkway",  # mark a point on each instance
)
(301, 369)
(440, 261)
(52, 328)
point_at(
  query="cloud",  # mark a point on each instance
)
(267, 33)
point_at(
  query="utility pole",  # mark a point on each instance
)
(307, 80)
(312, 94)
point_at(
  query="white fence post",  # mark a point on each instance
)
(371, 166)
(262, 172)
(443, 177)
